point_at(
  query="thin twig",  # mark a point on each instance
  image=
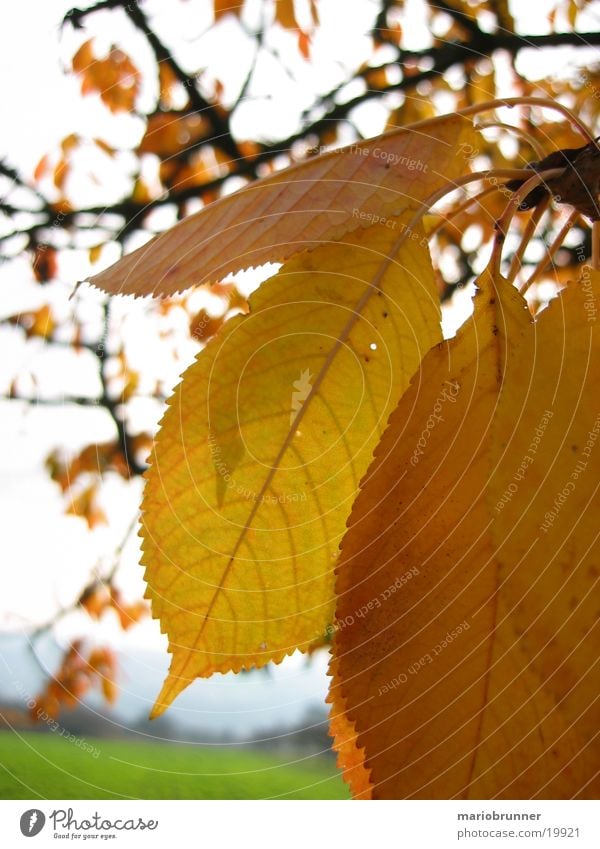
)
(552, 249)
(596, 245)
(461, 207)
(518, 131)
(503, 222)
(530, 228)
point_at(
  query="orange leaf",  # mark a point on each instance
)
(167, 83)
(105, 147)
(168, 133)
(376, 78)
(84, 505)
(227, 7)
(351, 758)
(95, 599)
(203, 325)
(41, 168)
(61, 172)
(45, 265)
(304, 44)
(463, 645)
(115, 78)
(315, 201)
(84, 57)
(69, 143)
(285, 14)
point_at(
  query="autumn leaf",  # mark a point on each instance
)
(243, 511)
(94, 253)
(168, 83)
(40, 323)
(285, 14)
(463, 646)
(546, 541)
(168, 133)
(115, 78)
(318, 200)
(95, 599)
(203, 325)
(85, 505)
(74, 678)
(44, 263)
(351, 758)
(227, 7)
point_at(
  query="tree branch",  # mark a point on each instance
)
(220, 122)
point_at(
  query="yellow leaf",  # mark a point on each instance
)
(572, 12)
(501, 8)
(482, 85)
(43, 323)
(260, 452)
(110, 691)
(95, 253)
(463, 646)
(132, 381)
(141, 192)
(317, 200)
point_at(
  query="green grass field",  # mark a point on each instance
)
(50, 767)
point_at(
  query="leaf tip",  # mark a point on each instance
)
(173, 686)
